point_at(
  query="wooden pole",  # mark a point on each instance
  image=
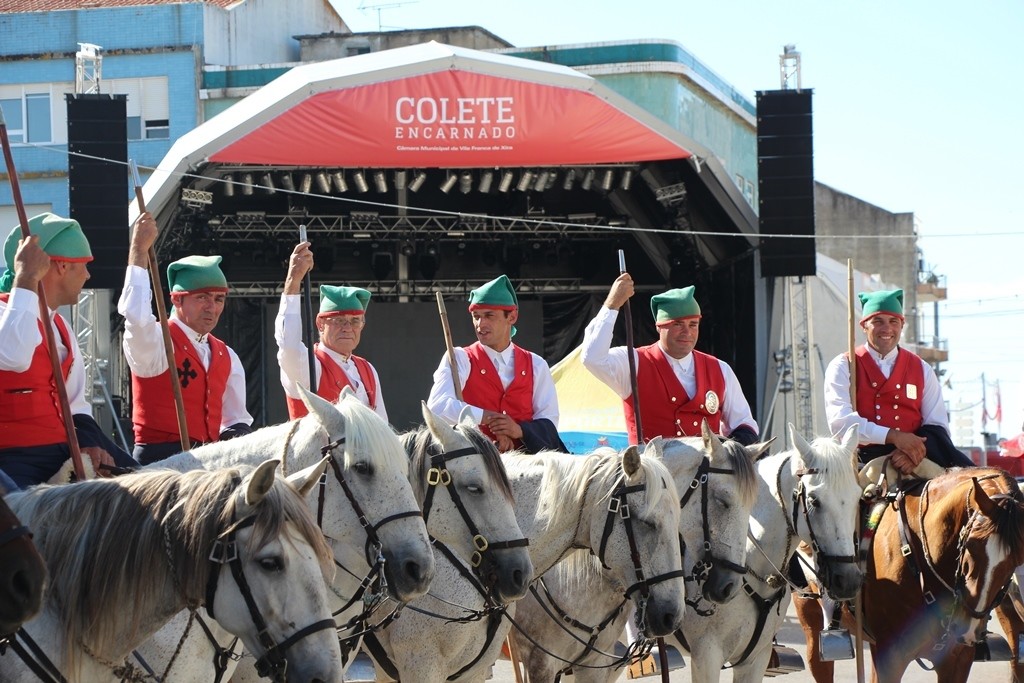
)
(858, 602)
(448, 345)
(44, 314)
(161, 312)
(307, 323)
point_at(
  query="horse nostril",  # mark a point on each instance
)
(413, 570)
(21, 586)
(669, 621)
(517, 578)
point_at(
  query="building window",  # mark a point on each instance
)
(147, 106)
(14, 118)
(748, 192)
(27, 114)
(37, 117)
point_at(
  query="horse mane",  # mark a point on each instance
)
(838, 465)
(371, 435)
(744, 471)
(421, 444)
(580, 566)
(1008, 524)
(83, 529)
(566, 480)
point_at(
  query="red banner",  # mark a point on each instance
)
(450, 119)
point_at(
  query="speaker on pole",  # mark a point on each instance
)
(785, 176)
(98, 181)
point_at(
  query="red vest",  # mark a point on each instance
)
(483, 386)
(667, 410)
(29, 404)
(885, 401)
(332, 380)
(202, 390)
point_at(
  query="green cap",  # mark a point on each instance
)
(196, 274)
(61, 238)
(343, 300)
(675, 304)
(497, 293)
(884, 301)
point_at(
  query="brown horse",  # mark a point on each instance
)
(943, 552)
(22, 573)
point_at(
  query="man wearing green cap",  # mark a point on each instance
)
(340, 324)
(508, 389)
(211, 375)
(33, 440)
(900, 409)
(678, 386)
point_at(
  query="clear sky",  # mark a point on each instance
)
(917, 108)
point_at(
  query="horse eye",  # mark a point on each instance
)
(474, 489)
(362, 467)
(271, 564)
(812, 502)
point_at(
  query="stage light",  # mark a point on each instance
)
(323, 182)
(407, 249)
(465, 182)
(552, 179)
(430, 260)
(380, 181)
(400, 178)
(229, 185)
(627, 179)
(417, 181)
(542, 181)
(588, 179)
(268, 183)
(524, 181)
(506, 181)
(360, 180)
(286, 181)
(307, 183)
(570, 178)
(486, 178)
(449, 183)
(607, 179)
(338, 177)
(247, 183)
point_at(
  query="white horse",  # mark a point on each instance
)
(578, 612)
(365, 507)
(809, 493)
(126, 554)
(604, 502)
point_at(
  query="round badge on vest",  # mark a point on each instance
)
(711, 401)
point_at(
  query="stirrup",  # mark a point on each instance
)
(993, 648)
(783, 660)
(641, 668)
(835, 644)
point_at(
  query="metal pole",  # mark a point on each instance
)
(44, 314)
(858, 602)
(307, 323)
(448, 345)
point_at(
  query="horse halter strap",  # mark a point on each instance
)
(700, 480)
(371, 529)
(13, 534)
(438, 474)
(618, 505)
(800, 501)
(225, 551)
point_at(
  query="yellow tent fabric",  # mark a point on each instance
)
(589, 413)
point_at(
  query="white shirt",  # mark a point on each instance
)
(20, 335)
(442, 395)
(611, 366)
(293, 357)
(841, 414)
(144, 345)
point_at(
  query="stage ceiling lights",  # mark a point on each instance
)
(287, 182)
(268, 183)
(486, 179)
(401, 177)
(506, 181)
(380, 181)
(524, 181)
(627, 179)
(607, 179)
(570, 178)
(417, 181)
(465, 182)
(449, 182)
(359, 178)
(588, 179)
(323, 183)
(306, 184)
(338, 179)
(228, 181)
(247, 184)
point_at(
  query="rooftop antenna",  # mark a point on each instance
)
(88, 69)
(789, 67)
(383, 6)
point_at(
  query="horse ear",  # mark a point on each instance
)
(441, 430)
(306, 479)
(756, 450)
(316, 405)
(800, 443)
(712, 444)
(849, 440)
(631, 461)
(260, 482)
(346, 392)
(466, 417)
(986, 505)
(655, 448)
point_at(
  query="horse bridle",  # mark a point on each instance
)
(618, 505)
(438, 475)
(800, 502)
(702, 568)
(13, 534)
(225, 551)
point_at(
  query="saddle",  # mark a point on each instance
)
(875, 476)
